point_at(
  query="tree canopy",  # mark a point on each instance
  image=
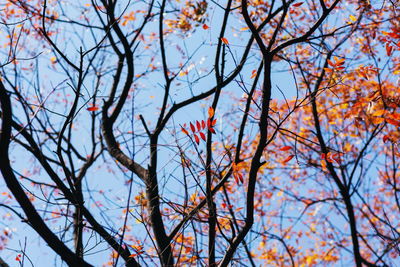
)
(200, 133)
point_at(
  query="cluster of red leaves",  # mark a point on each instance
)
(288, 158)
(331, 157)
(391, 41)
(200, 126)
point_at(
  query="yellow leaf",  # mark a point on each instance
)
(378, 113)
(352, 18)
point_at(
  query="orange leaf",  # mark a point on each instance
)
(288, 158)
(253, 74)
(224, 40)
(93, 108)
(285, 148)
(378, 112)
(205, 26)
(184, 131)
(210, 112)
(331, 63)
(214, 122)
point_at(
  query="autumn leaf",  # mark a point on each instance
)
(352, 18)
(93, 108)
(238, 177)
(192, 127)
(253, 74)
(210, 112)
(393, 122)
(329, 157)
(297, 4)
(203, 136)
(198, 125)
(205, 27)
(288, 159)
(378, 113)
(224, 40)
(336, 157)
(184, 131)
(196, 138)
(285, 148)
(203, 124)
(389, 49)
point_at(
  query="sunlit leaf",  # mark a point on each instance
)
(210, 112)
(288, 159)
(224, 40)
(93, 108)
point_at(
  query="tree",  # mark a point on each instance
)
(210, 133)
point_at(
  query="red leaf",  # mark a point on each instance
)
(285, 148)
(93, 108)
(329, 157)
(389, 49)
(209, 123)
(211, 130)
(214, 122)
(203, 136)
(336, 157)
(192, 127)
(385, 138)
(238, 177)
(184, 131)
(331, 63)
(203, 124)
(205, 26)
(198, 125)
(196, 138)
(393, 122)
(253, 74)
(288, 158)
(323, 156)
(224, 40)
(297, 4)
